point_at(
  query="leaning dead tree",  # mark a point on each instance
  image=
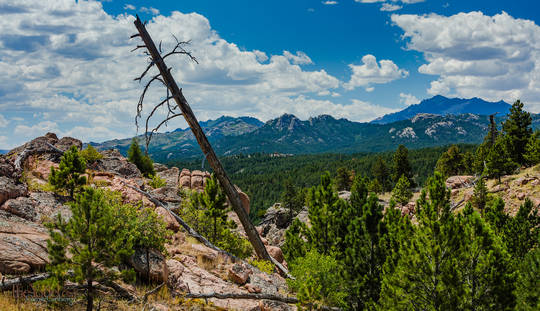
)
(164, 76)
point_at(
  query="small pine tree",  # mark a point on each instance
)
(451, 162)
(517, 128)
(375, 186)
(68, 176)
(343, 179)
(95, 239)
(290, 199)
(479, 198)
(295, 245)
(381, 173)
(523, 230)
(532, 150)
(498, 161)
(143, 162)
(402, 167)
(402, 192)
(490, 138)
(213, 202)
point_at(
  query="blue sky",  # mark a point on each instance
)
(67, 66)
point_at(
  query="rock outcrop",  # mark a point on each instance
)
(10, 189)
(156, 262)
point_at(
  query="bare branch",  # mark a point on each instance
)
(152, 63)
(135, 35)
(138, 47)
(141, 98)
(149, 138)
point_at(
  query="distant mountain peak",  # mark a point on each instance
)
(441, 105)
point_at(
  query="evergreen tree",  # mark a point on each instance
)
(532, 150)
(496, 217)
(213, 202)
(95, 240)
(375, 186)
(90, 154)
(468, 163)
(402, 192)
(499, 161)
(451, 162)
(517, 128)
(484, 265)
(523, 230)
(295, 246)
(323, 206)
(290, 199)
(479, 198)
(479, 164)
(425, 277)
(528, 282)
(380, 171)
(490, 138)
(359, 194)
(365, 255)
(343, 179)
(143, 162)
(402, 167)
(68, 176)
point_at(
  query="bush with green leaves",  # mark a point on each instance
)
(263, 265)
(317, 281)
(68, 175)
(142, 161)
(90, 154)
(157, 182)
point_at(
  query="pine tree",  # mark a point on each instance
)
(484, 266)
(479, 198)
(143, 162)
(365, 255)
(213, 202)
(490, 138)
(343, 179)
(68, 176)
(517, 128)
(359, 194)
(528, 282)
(323, 204)
(380, 171)
(295, 246)
(425, 277)
(523, 230)
(375, 186)
(95, 239)
(402, 192)
(90, 154)
(532, 150)
(402, 167)
(499, 161)
(290, 199)
(451, 162)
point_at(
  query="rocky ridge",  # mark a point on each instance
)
(26, 203)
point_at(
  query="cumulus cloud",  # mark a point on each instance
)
(493, 57)
(78, 77)
(372, 72)
(408, 99)
(149, 10)
(330, 2)
(129, 7)
(300, 58)
(388, 7)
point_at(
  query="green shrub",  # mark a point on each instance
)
(90, 154)
(68, 175)
(263, 265)
(317, 280)
(143, 162)
(157, 182)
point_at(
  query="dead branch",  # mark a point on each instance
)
(155, 129)
(179, 49)
(138, 47)
(150, 292)
(7, 284)
(27, 152)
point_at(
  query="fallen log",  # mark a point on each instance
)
(27, 152)
(7, 284)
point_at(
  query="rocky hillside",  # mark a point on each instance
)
(189, 268)
(444, 106)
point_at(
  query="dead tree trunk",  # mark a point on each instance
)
(207, 149)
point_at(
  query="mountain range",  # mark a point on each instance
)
(288, 134)
(444, 106)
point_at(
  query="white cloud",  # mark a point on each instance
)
(129, 7)
(149, 10)
(372, 72)
(493, 57)
(78, 77)
(299, 59)
(408, 99)
(388, 7)
(330, 2)
(3, 121)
